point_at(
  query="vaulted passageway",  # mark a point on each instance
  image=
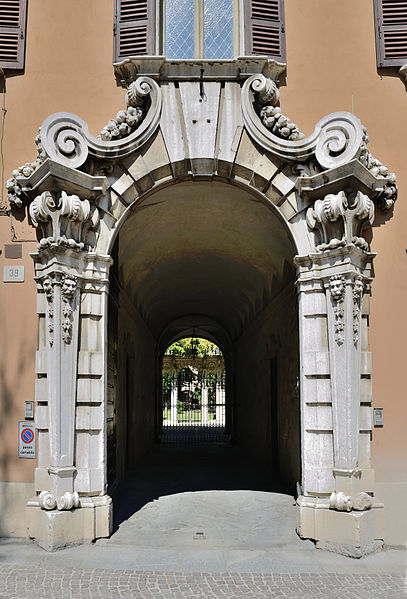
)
(205, 259)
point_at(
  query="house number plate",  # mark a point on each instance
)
(13, 274)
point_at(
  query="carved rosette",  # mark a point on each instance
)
(67, 501)
(64, 220)
(69, 286)
(340, 220)
(357, 293)
(337, 289)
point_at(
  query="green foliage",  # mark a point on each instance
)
(183, 347)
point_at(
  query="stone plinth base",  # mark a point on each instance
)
(53, 529)
(353, 533)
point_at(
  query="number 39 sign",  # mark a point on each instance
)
(13, 274)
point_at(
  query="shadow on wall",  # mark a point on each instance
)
(13, 496)
(171, 469)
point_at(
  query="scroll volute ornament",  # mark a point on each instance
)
(63, 219)
(340, 219)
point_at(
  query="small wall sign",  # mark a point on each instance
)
(378, 417)
(13, 274)
(29, 410)
(26, 440)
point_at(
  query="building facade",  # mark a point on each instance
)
(200, 206)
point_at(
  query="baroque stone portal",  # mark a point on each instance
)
(324, 188)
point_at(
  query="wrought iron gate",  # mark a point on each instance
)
(193, 406)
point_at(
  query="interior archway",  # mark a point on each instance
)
(211, 258)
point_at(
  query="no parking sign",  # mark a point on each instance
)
(26, 440)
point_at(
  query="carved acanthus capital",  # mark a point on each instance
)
(67, 501)
(340, 219)
(64, 220)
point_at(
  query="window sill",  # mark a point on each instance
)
(162, 69)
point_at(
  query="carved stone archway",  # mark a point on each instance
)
(324, 189)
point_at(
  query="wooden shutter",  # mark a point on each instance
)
(391, 32)
(12, 33)
(134, 28)
(264, 28)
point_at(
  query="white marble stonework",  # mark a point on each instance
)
(325, 189)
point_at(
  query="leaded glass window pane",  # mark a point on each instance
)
(218, 29)
(180, 28)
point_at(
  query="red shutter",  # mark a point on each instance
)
(391, 32)
(264, 26)
(134, 28)
(12, 33)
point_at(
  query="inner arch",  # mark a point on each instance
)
(210, 259)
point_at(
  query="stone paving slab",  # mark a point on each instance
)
(26, 582)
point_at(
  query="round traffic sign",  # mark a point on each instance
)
(27, 435)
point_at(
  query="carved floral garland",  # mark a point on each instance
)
(389, 194)
(337, 288)
(69, 284)
(127, 120)
(14, 191)
(68, 293)
(279, 124)
(357, 295)
(48, 286)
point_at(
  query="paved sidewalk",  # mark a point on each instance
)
(26, 582)
(247, 548)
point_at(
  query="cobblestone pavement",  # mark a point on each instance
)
(26, 582)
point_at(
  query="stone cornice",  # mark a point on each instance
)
(161, 69)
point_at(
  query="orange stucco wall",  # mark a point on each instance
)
(331, 66)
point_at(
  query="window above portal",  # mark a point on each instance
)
(199, 29)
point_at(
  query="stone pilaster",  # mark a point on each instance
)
(333, 282)
(70, 505)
